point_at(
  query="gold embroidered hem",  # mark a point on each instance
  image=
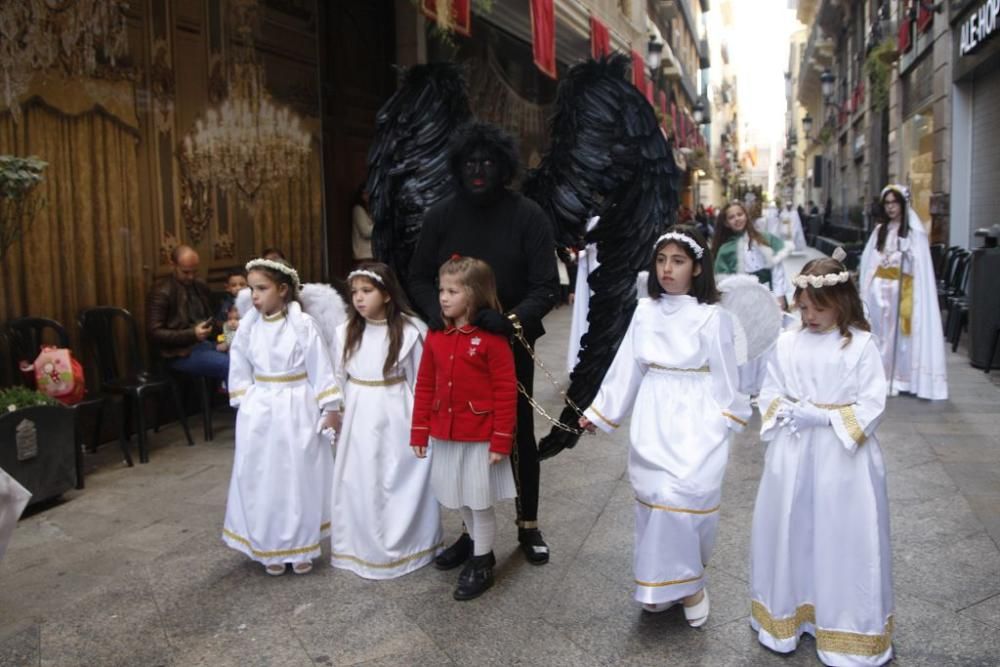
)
(851, 424)
(730, 415)
(237, 394)
(682, 510)
(273, 318)
(603, 418)
(391, 564)
(387, 382)
(832, 641)
(526, 524)
(675, 582)
(277, 553)
(771, 410)
(703, 369)
(281, 378)
(332, 391)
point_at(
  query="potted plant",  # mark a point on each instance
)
(36, 442)
(19, 199)
(878, 69)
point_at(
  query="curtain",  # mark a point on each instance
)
(84, 247)
(291, 218)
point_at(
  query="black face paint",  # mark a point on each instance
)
(481, 174)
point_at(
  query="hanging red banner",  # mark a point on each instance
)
(925, 18)
(600, 38)
(543, 36)
(461, 15)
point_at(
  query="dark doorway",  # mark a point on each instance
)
(357, 49)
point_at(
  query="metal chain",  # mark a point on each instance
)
(543, 413)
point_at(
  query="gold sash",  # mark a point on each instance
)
(906, 298)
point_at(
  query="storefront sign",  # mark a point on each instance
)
(979, 26)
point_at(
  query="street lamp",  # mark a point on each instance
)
(699, 113)
(654, 53)
(826, 80)
(807, 124)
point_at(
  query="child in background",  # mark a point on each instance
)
(282, 380)
(229, 327)
(676, 372)
(236, 280)
(385, 520)
(465, 410)
(821, 559)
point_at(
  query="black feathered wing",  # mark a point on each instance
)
(608, 157)
(408, 159)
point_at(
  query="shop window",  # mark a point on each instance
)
(917, 152)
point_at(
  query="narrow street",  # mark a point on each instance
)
(132, 570)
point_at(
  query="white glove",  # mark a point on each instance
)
(327, 432)
(800, 416)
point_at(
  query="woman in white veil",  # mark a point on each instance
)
(897, 285)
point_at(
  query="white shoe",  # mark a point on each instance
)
(275, 570)
(697, 615)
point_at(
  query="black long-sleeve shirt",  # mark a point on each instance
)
(513, 235)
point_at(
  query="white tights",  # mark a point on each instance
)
(482, 527)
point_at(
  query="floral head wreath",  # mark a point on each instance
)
(261, 263)
(803, 281)
(900, 190)
(365, 273)
(683, 238)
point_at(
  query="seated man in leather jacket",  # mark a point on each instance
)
(179, 320)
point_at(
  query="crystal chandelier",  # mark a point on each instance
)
(247, 144)
(40, 35)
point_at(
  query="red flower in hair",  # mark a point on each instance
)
(455, 255)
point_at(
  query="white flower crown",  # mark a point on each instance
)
(367, 274)
(683, 238)
(260, 262)
(803, 281)
(901, 190)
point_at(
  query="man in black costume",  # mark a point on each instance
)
(486, 220)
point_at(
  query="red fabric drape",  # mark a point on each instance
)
(639, 71)
(543, 36)
(600, 38)
(461, 14)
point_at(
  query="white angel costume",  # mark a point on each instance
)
(386, 521)
(821, 560)
(586, 263)
(919, 348)
(789, 228)
(13, 499)
(282, 379)
(677, 367)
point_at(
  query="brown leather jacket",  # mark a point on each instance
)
(169, 326)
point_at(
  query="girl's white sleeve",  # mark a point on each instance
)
(240, 368)
(620, 384)
(337, 354)
(322, 376)
(854, 423)
(722, 365)
(779, 280)
(771, 394)
(412, 363)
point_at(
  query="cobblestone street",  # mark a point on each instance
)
(132, 570)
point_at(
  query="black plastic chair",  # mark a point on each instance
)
(25, 337)
(937, 258)
(957, 302)
(947, 277)
(113, 337)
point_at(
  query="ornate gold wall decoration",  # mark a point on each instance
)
(223, 248)
(167, 246)
(196, 200)
(161, 83)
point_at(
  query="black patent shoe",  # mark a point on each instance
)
(533, 545)
(456, 554)
(476, 577)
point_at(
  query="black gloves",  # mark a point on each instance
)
(494, 322)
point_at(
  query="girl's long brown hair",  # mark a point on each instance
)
(724, 233)
(842, 297)
(395, 309)
(904, 220)
(479, 282)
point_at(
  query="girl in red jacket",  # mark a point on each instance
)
(465, 407)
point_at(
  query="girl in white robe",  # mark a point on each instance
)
(898, 255)
(282, 380)
(821, 560)
(676, 372)
(386, 521)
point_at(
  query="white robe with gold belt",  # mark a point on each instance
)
(677, 367)
(821, 560)
(385, 519)
(281, 378)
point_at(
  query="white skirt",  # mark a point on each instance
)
(462, 476)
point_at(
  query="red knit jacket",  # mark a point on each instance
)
(466, 389)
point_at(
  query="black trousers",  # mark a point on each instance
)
(524, 458)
